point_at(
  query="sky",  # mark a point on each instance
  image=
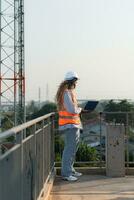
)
(95, 38)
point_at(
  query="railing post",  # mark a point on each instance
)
(43, 153)
(127, 140)
(20, 140)
(35, 164)
(52, 140)
(49, 144)
(115, 159)
(100, 139)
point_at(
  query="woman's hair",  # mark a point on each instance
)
(62, 87)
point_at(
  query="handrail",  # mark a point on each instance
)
(117, 112)
(21, 127)
(30, 161)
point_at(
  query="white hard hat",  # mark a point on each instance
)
(70, 76)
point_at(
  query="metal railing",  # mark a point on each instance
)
(27, 166)
(93, 139)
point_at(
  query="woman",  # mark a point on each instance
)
(69, 124)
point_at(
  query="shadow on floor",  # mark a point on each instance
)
(123, 198)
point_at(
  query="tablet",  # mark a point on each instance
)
(91, 105)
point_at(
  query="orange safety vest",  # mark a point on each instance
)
(66, 117)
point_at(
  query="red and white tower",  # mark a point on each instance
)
(12, 75)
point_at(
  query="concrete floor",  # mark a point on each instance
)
(94, 187)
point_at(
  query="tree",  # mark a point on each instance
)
(115, 106)
(47, 108)
(86, 153)
(7, 121)
(31, 108)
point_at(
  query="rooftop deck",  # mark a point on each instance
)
(94, 187)
(27, 168)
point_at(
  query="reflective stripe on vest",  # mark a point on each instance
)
(68, 118)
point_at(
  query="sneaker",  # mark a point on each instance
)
(69, 178)
(77, 174)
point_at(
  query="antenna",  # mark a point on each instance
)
(12, 74)
(47, 92)
(39, 98)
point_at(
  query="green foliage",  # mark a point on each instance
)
(31, 108)
(59, 146)
(131, 137)
(130, 156)
(122, 106)
(58, 157)
(47, 108)
(7, 121)
(86, 153)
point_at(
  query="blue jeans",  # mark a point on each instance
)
(71, 139)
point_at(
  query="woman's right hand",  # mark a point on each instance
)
(85, 111)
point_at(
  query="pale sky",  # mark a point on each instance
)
(95, 38)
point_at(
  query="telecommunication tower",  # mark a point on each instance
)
(12, 74)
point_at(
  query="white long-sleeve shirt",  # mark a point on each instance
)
(70, 107)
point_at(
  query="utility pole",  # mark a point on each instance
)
(39, 98)
(47, 92)
(12, 73)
